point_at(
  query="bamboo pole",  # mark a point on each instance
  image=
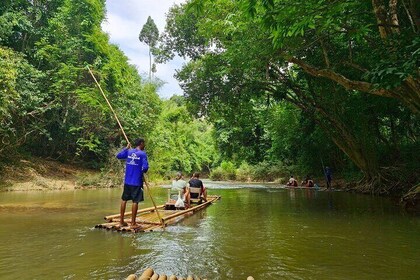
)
(109, 104)
(122, 129)
(131, 277)
(147, 274)
(155, 276)
(163, 277)
(154, 204)
(138, 212)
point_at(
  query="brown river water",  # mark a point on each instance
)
(263, 231)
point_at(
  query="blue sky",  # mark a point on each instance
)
(123, 23)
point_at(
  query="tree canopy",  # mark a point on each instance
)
(350, 73)
(49, 103)
(149, 35)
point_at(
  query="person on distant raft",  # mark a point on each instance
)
(195, 182)
(308, 182)
(328, 174)
(292, 182)
(181, 187)
(136, 165)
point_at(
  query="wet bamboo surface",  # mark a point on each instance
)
(147, 220)
(149, 274)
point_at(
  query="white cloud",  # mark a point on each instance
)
(124, 20)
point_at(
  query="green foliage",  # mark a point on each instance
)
(149, 34)
(50, 104)
(179, 142)
(217, 174)
(21, 102)
(263, 172)
(269, 171)
(228, 169)
(299, 81)
(243, 173)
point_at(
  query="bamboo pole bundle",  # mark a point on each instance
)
(148, 221)
(147, 274)
(149, 209)
(188, 210)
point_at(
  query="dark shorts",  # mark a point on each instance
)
(134, 193)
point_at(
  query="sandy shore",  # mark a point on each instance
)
(39, 174)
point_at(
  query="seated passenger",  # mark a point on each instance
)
(292, 182)
(195, 182)
(308, 182)
(180, 186)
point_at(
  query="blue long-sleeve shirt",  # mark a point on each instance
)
(135, 165)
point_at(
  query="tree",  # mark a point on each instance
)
(22, 103)
(375, 53)
(180, 142)
(149, 35)
(52, 100)
(254, 62)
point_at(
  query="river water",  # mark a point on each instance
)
(263, 231)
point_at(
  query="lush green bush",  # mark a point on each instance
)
(229, 169)
(217, 174)
(267, 171)
(244, 172)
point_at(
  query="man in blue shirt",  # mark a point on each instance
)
(135, 165)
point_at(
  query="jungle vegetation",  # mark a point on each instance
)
(271, 88)
(295, 82)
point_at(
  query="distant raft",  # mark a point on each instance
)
(147, 220)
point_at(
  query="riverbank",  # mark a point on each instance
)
(36, 174)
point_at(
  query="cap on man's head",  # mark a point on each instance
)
(138, 141)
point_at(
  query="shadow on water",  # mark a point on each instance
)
(259, 230)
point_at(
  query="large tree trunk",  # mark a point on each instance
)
(359, 151)
(381, 17)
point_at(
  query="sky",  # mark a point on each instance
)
(124, 21)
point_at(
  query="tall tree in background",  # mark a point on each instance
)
(149, 35)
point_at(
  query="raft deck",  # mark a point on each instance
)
(147, 219)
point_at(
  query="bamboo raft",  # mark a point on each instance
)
(147, 220)
(149, 274)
